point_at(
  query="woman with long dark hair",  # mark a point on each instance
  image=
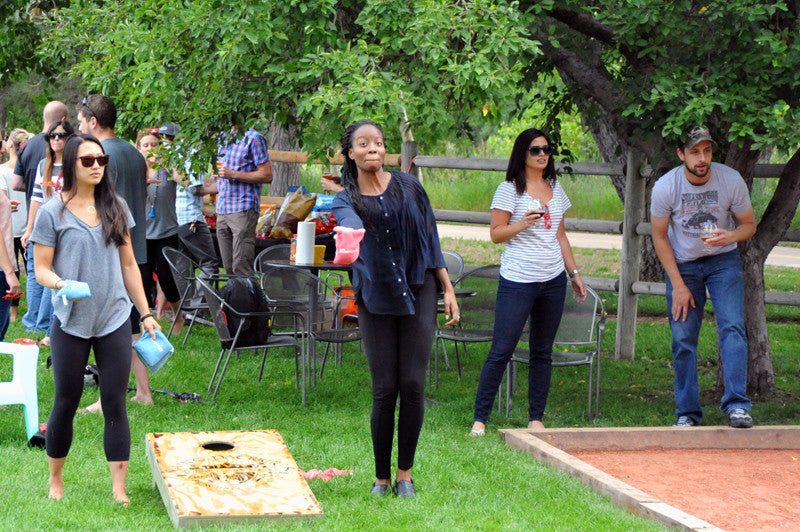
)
(395, 280)
(46, 184)
(527, 213)
(81, 245)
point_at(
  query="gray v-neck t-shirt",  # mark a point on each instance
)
(81, 254)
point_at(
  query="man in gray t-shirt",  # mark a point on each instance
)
(97, 115)
(697, 258)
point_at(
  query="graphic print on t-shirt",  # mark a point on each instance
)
(697, 209)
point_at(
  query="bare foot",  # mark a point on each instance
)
(121, 498)
(56, 488)
(179, 323)
(94, 408)
(142, 400)
(536, 425)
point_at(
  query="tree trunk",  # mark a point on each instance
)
(760, 373)
(284, 175)
(614, 150)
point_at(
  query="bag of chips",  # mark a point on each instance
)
(296, 207)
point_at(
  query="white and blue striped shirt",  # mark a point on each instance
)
(532, 255)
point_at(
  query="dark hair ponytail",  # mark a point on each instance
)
(109, 209)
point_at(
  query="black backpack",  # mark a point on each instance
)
(244, 295)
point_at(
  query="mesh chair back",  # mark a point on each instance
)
(477, 311)
(216, 307)
(277, 251)
(578, 321)
(183, 272)
(290, 287)
(454, 264)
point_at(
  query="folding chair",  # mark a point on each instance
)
(477, 314)
(578, 342)
(302, 291)
(221, 312)
(184, 273)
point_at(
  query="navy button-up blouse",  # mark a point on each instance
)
(401, 246)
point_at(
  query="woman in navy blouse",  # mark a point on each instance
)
(395, 278)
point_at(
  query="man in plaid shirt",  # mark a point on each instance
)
(245, 167)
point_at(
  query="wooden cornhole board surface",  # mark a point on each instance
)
(554, 447)
(255, 479)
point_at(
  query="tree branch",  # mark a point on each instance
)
(587, 25)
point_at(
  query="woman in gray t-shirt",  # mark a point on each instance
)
(81, 238)
(162, 227)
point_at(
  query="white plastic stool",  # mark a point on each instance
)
(22, 388)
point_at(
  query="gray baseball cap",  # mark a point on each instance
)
(695, 135)
(170, 129)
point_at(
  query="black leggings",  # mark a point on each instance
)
(398, 350)
(69, 355)
(158, 264)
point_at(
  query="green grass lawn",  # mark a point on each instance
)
(463, 483)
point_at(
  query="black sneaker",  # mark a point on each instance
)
(685, 421)
(739, 418)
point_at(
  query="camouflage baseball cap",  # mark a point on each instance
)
(695, 135)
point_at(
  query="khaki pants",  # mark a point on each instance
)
(236, 234)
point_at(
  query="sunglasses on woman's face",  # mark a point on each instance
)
(87, 161)
(58, 135)
(536, 150)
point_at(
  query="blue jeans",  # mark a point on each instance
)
(722, 276)
(40, 304)
(516, 302)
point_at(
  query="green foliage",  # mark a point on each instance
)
(20, 34)
(315, 64)
(731, 64)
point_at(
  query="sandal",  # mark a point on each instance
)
(476, 433)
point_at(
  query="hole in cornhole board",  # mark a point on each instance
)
(700, 478)
(218, 446)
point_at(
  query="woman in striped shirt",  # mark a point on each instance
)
(527, 213)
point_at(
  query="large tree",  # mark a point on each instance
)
(21, 33)
(642, 71)
(305, 67)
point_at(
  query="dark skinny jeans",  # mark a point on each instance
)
(516, 302)
(398, 350)
(69, 355)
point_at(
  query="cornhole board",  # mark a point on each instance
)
(227, 476)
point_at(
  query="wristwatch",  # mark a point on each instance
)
(573, 273)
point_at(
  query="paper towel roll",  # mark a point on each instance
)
(305, 242)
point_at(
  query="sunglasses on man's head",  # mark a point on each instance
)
(87, 161)
(85, 103)
(536, 150)
(58, 135)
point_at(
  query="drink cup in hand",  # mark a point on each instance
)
(707, 231)
(536, 207)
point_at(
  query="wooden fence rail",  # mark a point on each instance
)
(632, 228)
